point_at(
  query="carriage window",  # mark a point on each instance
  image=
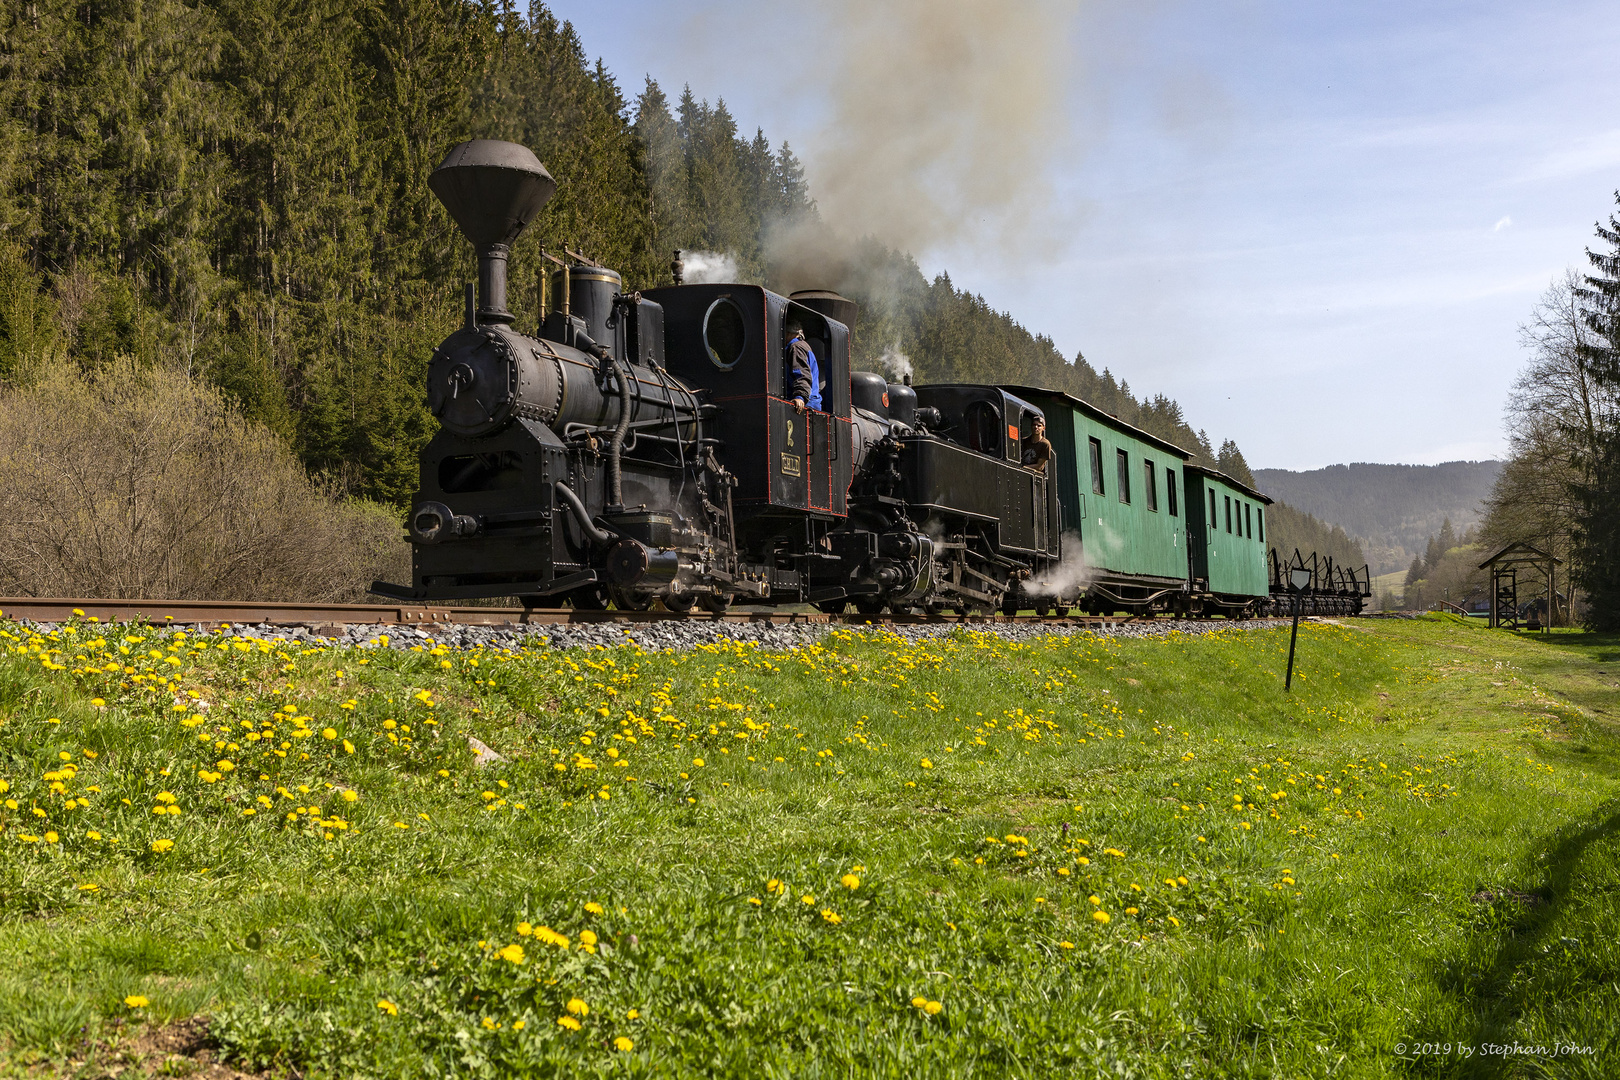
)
(1170, 489)
(1248, 522)
(723, 333)
(1228, 499)
(1150, 485)
(1124, 476)
(1213, 524)
(1096, 467)
(1260, 515)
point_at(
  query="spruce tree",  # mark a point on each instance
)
(1596, 545)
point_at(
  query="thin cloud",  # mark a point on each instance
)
(1504, 223)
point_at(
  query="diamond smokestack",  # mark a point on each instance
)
(493, 189)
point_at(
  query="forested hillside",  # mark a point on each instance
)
(1392, 510)
(236, 188)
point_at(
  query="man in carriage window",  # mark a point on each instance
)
(804, 374)
(1037, 450)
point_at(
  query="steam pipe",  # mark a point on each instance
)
(597, 536)
(616, 444)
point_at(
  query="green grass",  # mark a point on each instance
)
(1424, 851)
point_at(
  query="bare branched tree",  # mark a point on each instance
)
(140, 483)
(1555, 415)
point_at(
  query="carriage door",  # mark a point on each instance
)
(818, 465)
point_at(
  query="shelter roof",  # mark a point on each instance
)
(1520, 553)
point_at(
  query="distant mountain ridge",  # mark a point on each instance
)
(1391, 509)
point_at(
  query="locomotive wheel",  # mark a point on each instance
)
(869, 605)
(832, 607)
(1043, 610)
(1061, 611)
(679, 603)
(629, 601)
(1009, 607)
(589, 598)
(715, 604)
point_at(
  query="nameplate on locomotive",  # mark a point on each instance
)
(790, 465)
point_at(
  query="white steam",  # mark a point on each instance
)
(894, 365)
(1070, 576)
(710, 267)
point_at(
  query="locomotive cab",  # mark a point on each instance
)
(728, 342)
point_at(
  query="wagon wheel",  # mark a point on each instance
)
(1043, 610)
(1061, 611)
(680, 603)
(832, 607)
(715, 603)
(625, 600)
(589, 598)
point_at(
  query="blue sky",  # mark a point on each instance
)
(1316, 225)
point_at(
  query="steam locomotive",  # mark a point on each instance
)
(642, 447)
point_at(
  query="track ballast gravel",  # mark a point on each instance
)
(678, 634)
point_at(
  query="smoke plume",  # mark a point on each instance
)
(947, 116)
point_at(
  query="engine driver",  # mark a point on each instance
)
(804, 374)
(1037, 451)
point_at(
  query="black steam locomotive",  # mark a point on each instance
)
(643, 447)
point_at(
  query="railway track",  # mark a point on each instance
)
(317, 617)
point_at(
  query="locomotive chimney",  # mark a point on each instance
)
(493, 189)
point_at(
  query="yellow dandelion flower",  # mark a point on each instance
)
(137, 1001)
(388, 1007)
(1065, 944)
(850, 881)
(1100, 916)
(160, 846)
(594, 908)
(568, 1022)
(513, 953)
(933, 1008)
(578, 1007)
(587, 937)
(623, 1044)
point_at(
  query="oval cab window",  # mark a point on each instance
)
(723, 333)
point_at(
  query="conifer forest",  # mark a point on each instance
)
(237, 190)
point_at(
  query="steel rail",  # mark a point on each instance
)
(318, 616)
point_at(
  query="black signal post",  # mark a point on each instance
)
(1299, 579)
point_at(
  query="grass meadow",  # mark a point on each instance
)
(1072, 856)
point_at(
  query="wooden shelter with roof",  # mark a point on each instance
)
(1504, 567)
